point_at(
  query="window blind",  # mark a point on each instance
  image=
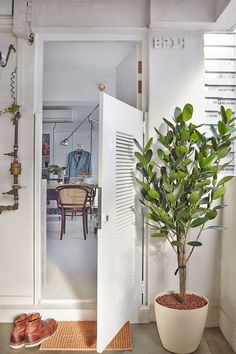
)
(220, 82)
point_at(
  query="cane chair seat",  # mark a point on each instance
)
(71, 200)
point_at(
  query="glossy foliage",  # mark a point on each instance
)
(180, 176)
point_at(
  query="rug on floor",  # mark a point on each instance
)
(82, 335)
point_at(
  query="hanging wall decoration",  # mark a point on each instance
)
(15, 167)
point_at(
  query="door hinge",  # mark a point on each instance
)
(99, 211)
(140, 86)
(140, 68)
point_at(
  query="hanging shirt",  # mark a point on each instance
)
(78, 164)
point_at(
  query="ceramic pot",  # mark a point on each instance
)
(180, 330)
(61, 175)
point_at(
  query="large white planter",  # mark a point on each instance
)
(180, 330)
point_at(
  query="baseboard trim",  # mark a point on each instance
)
(228, 328)
(15, 300)
(66, 314)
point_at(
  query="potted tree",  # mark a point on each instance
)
(180, 183)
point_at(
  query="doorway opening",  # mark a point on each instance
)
(73, 72)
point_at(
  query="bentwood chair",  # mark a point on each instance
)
(73, 200)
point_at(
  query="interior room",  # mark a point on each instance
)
(73, 76)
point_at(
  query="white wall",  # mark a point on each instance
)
(228, 269)
(176, 78)
(92, 13)
(16, 227)
(181, 11)
(126, 79)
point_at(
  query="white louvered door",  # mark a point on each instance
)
(119, 260)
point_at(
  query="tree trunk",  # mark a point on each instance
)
(182, 269)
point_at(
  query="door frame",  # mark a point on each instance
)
(140, 36)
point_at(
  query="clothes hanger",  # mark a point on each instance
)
(79, 149)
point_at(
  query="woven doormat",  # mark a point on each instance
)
(82, 335)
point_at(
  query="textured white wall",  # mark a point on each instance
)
(16, 228)
(182, 11)
(92, 13)
(228, 269)
(126, 79)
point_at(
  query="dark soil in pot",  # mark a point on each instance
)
(192, 301)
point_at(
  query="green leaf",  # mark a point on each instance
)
(222, 128)
(148, 145)
(176, 243)
(226, 114)
(182, 213)
(229, 114)
(199, 213)
(178, 114)
(187, 112)
(169, 124)
(153, 194)
(211, 214)
(151, 217)
(181, 175)
(199, 221)
(171, 197)
(159, 234)
(141, 169)
(221, 206)
(208, 161)
(185, 135)
(157, 131)
(194, 137)
(169, 137)
(178, 191)
(203, 183)
(194, 197)
(148, 155)
(194, 243)
(223, 114)
(142, 184)
(215, 227)
(138, 145)
(219, 192)
(224, 180)
(214, 132)
(141, 158)
(186, 162)
(181, 150)
(222, 152)
(160, 154)
(201, 136)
